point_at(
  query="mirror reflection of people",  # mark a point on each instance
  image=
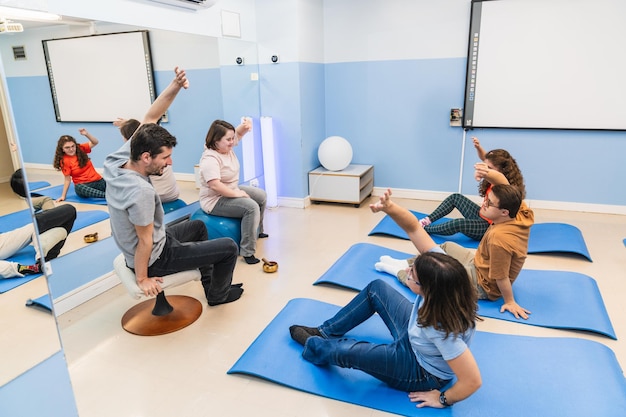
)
(15, 240)
(220, 192)
(39, 202)
(165, 184)
(152, 249)
(54, 224)
(431, 336)
(71, 159)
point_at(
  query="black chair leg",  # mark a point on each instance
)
(161, 306)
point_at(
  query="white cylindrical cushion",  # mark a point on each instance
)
(127, 276)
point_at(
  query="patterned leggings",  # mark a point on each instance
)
(472, 225)
(95, 189)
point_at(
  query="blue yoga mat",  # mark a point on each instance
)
(71, 197)
(26, 256)
(522, 376)
(35, 185)
(20, 218)
(14, 220)
(557, 299)
(44, 302)
(544, 237)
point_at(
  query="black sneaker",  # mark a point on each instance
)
(234, 293)
(302, 333)
(251, 260)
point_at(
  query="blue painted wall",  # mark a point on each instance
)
(189, 118)
(395, 114)
(386, 81)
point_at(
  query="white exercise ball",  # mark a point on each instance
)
(335, 153)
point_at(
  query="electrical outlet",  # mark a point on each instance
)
(254, 182)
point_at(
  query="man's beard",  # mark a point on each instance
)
(158, 172)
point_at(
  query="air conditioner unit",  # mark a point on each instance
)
(189, 4)
(11, 27)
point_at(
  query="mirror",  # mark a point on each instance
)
(28, 335)
(220, 89)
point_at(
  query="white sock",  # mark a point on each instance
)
(387, 268)
(396, 263)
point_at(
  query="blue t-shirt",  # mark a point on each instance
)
(432, 349)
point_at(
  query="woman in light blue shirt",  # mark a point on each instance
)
(431, 336)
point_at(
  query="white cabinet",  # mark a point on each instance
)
(351, 185)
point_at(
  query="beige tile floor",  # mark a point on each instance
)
(184, 374)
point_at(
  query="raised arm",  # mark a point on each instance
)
(93, 141)
(243, 128)
(165, 99)
(406, 220)
(479, 149)
(119, 122)
(495, 177)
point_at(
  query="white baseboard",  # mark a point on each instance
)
(44, 167)
(185, 177)
(535, 204)
(421, 195)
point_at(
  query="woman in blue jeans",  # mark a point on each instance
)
(431, 336)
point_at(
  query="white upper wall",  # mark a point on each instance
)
(360, 30)
(169, 49)
(311, 34)
(150, 14)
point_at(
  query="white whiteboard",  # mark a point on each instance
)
(547, 64)
(101, 77)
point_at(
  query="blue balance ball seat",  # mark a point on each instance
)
(218, 226)
(173, 205)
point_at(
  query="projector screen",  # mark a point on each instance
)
(546, 64)
(101, 77)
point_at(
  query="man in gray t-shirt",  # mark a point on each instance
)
(150, 248)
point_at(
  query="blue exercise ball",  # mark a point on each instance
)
(217, 226)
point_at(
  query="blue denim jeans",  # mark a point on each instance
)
(393, 363)
(186, 248)
(250, 211)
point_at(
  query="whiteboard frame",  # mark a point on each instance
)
(537, 64)
(98, 78)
